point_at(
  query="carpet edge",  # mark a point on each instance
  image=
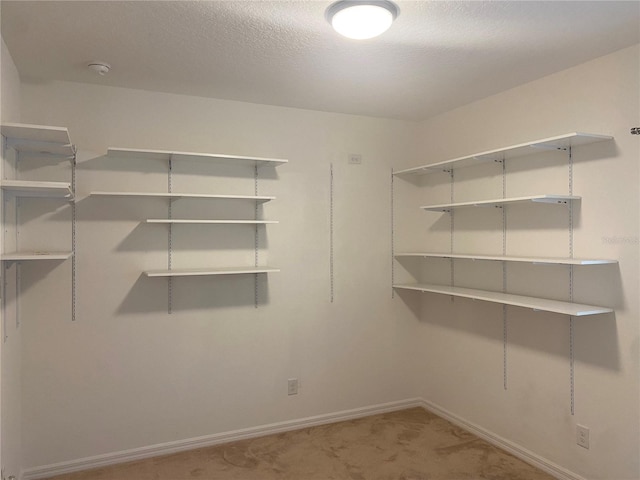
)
(140, 453)
(513, 448)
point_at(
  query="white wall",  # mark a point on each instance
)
(10, 438)
(458, 346)
(126, 374)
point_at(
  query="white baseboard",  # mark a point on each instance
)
(514, 449)
(210, 440)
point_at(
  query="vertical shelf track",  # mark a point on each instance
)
(74, 264)
(392, 242)
(451, 232)
(255, 240)
(331, 230)
(7, 265)
(571, 319)
(505, 331)
(169, 242)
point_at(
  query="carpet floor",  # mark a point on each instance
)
(411, 444)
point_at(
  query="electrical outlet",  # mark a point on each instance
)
(292, 386)
(582, 436)
(355, 159)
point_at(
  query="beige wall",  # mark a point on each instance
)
(126, 374)
(10, 385)
(458, 346)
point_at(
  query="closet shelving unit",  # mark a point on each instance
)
(219, 159)
(49, 144)
(563, 143)
(560, 142)
(46, 144)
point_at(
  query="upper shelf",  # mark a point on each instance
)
(22, 188)
(553, 199)
(260, 199)
(24, 256)
(38, 139)
(505, 258)
(170, 155)
(542, 304)
(561, 142)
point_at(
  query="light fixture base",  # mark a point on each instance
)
(101, 68)
(361, 19)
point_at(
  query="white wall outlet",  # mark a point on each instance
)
(355, 159)
(582, 436)
(292, 386)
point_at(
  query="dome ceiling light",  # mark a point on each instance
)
(361, 19)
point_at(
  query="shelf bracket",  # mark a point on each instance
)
(545, 146)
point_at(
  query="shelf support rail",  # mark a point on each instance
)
(255, 238)
(505, 330)
(73, 240)
(331, 230)
(169, 240)
(571, 319)
(392, 242)
(451, 232)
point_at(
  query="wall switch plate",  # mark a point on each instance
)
(292, 386)
(582, 436)
(355, 159)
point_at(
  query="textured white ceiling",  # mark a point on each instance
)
(437, 55)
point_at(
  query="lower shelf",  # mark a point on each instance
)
(211, 222)
(542, 304)
(20, 256)
(189, 272)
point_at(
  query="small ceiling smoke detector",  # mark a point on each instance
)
(101, 68)
(361, 19)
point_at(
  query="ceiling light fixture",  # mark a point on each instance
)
(101, 68)
(361, 19)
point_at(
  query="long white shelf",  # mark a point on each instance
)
(542, 304)
(499, 202)
(260, 199)
(24, 188)
(214, 222)
(504, 258)
(171, 155)
(23, 256)
(38, 139)
(560, 142)
(190, 272)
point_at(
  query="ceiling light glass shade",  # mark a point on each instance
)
(361, 19)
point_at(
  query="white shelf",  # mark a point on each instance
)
(38, 139)
(214, 222)
(23, 188)
(561, 142)
(552, 199)
(534, 260)
(22, 256)
(171, 155)
(209, 271)
(260, 199)
(542, 304)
